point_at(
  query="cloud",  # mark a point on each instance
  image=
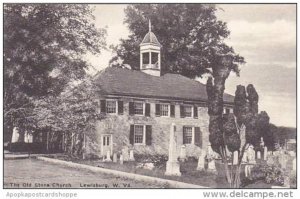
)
(257, 12)
(280, 107)
(110, 17)
(264, 42)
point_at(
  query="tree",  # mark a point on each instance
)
(237, 131)
(43, 49)
(191, 35)
(71, 117)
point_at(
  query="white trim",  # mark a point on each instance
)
(111, 143)
(144, 108)
(193, 135)
(192, 112)
(169, 109)
(110, 100)
(144, 135)
(157, 99)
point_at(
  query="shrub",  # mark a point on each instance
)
(271, 174)
(159, 161)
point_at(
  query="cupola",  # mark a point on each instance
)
(150, 61)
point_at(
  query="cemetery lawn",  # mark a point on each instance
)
(189, 174)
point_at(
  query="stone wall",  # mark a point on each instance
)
(119, 127)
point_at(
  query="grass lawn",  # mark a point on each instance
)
(189, 174)
(188, 171)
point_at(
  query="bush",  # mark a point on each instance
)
(159, 161)
(271, 174)
(192, 159)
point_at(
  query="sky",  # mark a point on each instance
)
(264, 34)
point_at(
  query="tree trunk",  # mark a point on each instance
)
(216, 113)
(47, 144)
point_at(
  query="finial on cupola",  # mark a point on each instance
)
(149, 25)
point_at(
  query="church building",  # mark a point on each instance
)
(139, 107)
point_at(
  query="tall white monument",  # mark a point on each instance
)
(173, 167)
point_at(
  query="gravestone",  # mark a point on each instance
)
(235, 157)
(121, 159)
(262, 143)
(248, 169)
(173, 167)
(131, 156)
(245, 157)
(115, 158)
(125, 154)
(294, 164)
(251, 155)
(265, 153)
(211, 166)
(15, 135)
(258, 155)
(182, 156)
(108, 159)
(201, 161)
(282, 160)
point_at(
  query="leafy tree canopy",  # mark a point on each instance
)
(44, 46)
(191, 35)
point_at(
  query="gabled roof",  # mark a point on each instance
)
(126, 82)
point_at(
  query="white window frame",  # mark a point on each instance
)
(193, 134)
(192, 111)
(143, 107)
(144, 135)
(224, 110)
(112, 100)
(169, 109)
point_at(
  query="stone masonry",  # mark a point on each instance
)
(119, 127)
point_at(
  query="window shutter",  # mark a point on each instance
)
(172, 110)
(131, 108)
(181, 111)
(148, 134)
(131, 134)
(195, 112)
(198, 137)
(147, 111)
(103, 106)
(157, 109)
(183, 136)
(120, 107)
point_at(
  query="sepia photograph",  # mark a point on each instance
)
(150, 96)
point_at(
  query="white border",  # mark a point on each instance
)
(125, 193)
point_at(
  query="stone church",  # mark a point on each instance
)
(140, 106)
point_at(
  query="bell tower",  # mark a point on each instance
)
(150, 61)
